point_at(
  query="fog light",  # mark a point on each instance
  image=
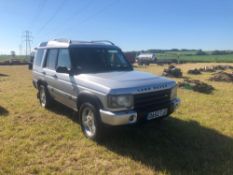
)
(132, 118)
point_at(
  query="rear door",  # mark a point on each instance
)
(49, 71)
(37, 65)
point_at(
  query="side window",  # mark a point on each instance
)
(39, 57)
(64, 58)
(51, 59)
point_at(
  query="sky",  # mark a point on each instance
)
(130, 24)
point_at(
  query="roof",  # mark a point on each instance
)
(64, 43)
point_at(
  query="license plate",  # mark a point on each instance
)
(157, 114)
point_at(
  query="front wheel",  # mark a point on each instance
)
(45, 99)
(90, 121)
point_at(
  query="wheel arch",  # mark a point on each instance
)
(88, 97)
(41, 82)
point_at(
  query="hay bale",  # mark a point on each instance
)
(223, 67)
(220, 67)
(172, 71)
(196, 85)
(194, 71)
(222, 77)
(215, 68)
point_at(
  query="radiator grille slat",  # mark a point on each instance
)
(152, 100)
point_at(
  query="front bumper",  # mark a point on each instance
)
(130, 117)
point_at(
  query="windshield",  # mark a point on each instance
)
(95, 60)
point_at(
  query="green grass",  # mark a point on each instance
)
(198, 139)
(191, 57)
(9, 57)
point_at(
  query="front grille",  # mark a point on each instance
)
(151, 101)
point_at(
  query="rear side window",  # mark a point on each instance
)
(64, 58)
(39, 57)
(51, 59)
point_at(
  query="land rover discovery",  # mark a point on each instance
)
(96, 80)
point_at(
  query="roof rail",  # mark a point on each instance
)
(62, 40)
(76, 41)
(88, 42)
(103, 41)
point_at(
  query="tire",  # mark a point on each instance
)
(30, 66)
(90, 121)
(44, 97)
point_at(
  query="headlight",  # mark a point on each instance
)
(174, 93)
(120, 101)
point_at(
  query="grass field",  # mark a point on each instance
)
(192, 57)
(197, 139)
(9, 57)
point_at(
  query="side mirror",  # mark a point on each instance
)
(63, 70)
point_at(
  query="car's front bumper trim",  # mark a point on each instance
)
(130, 117)
(118, 118)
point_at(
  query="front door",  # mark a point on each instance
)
(66, 85)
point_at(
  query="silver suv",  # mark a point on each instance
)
(96, 80)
